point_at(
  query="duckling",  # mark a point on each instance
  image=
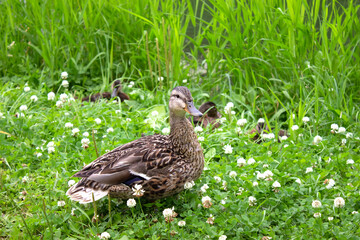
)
(116, 92)
(210, 116)
(260, 128)
(160, 164)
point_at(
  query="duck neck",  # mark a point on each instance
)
(182, 135)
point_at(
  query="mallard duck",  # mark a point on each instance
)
(262, 127)
(116, 92)
(161, 164)
(210, 115)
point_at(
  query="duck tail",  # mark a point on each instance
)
(82, 194)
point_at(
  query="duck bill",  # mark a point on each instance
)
(114, 92)
(190, 108)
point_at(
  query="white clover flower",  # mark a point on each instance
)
(1, 115)
(204, 188)
(317, 139)
(65, 83)
(232, 174)
(334, 127)
(295, 127)
(131, 203)
(23, 108)
(331, 184)
(138, 191)
(105, 235)
(228, 149)
(330, 218)
(85, 142)
(252, 201)
(286, 145)
(206, 202)
(217, 179)
(61, 203)
(298, 181)
(168, 212)
(73, 211)
(85, 134)
(165, 131)
(316, 204)
(261, 120)
(26, 89)
(51, 96)
(210, 220)
(59, 104)
(160, 79)
(71, 182)
(181, 223)
(350, 161)
(189, 185)
(223, 237)
(241, 122)
(255, 184)
(63, 97)
(154, 113)
(128, 119)
(265, 166)
(25, 179)
(349, 135)
(97, 120)
(260, 176)
(268, 135)
(354, 212)
(224, 185)
(317, 215)
(51, 150)
(251, 161)
(268, 174)
(343, 141)
(341, 130)
(50, 144)
(64, 75)
(283, 138)
(222, 120)
(38, 155)
(309, 169)
(305, 119)
(230, 104)
(34, 98)
(276, 184)
(200, 139)
(117, 111)
(233, 112)
(68, 125)
(198, 129)
(241, 162)
(75, 131)
(184, 81)
(339, 202)
(110, 130)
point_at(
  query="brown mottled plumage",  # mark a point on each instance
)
(161, 164)
(116, 92)
(259, 129)
(211, 115)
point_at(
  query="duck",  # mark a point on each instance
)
(116, 92)
(160, 165)
(262, 127)
(210, 115)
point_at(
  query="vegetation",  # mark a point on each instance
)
(277, 60)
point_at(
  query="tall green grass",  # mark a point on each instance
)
(299, 49)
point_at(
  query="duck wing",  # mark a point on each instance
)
(131, 161)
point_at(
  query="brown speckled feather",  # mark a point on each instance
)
(211, 115)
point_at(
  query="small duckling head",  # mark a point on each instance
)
(181, 102)
(116, 88)
(209, 108)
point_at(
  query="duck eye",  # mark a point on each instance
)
(177, 96)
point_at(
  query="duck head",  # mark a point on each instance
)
(181, 102)
(116, 88)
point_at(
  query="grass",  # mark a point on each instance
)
(277, 60)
